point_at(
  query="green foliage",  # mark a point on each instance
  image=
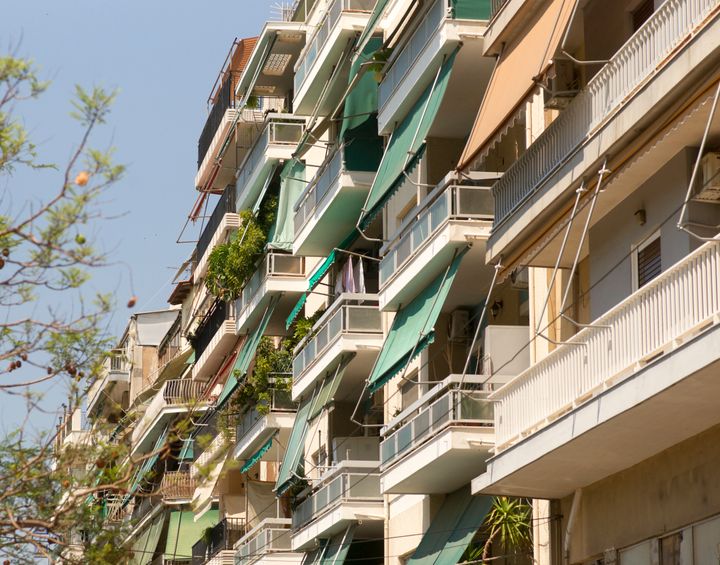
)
(509, 523)
(231, 264)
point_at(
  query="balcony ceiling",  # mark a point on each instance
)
(276, 76)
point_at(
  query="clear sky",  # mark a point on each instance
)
(163, 58)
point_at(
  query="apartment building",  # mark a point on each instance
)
(488, 268)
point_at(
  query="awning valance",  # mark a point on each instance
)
(255, 457)
(184, 532)
(452, 529)
(406, 142)
(412, 329)
(246, 355)
(526, 56)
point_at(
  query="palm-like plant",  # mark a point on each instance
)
(508, 521)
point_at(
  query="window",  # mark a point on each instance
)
(647, 262)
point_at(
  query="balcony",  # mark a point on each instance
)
(276, 142)
(640, 379)
(218, 446)
(446, 220)
(670, 51)
(278, 274)
(113, 386)
(332, 199)
(352, 325)
(214, 338)
(222, 220)
(343, 20)
(438, 443)
(177, 487)
(349, 493)
(270, 538)
(415, 62)
(175, 397)
(257, 427)
(217, 543)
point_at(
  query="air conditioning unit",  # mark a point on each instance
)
(459, 322)
(562, 84)
(710, 189)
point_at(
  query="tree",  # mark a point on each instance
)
(509, 523)
(52, 329)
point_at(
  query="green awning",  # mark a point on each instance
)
(452, 529)
(372, 22)
(318, 274)
(337, 547)
(471, 9)
(292, 184)
(263, 190)
(147, 465)
(412, 329)
(257, 455)
(327, 390)
(296, 310)
(362, 101)
(295, 447)
(187, 453)
(146, 544)
(246, 355)
(191, 359)
(406, 143)
(184, 532)
(315, 556)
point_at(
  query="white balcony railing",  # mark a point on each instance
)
(351, 315)
(634, 332)
(273, 265)
(456, 401)
(321, 35)
(280, 129)
(318, 188)
(272, 535)
(452, 203)
(343, 487)
(641, 57)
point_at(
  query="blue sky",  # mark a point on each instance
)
(163, 58)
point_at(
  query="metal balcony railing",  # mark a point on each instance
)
(636, 330)
(452, 203)
(213, 321)
(271, 536)
(313, 46)
(225, 205)
(224, 100)
(221, 537)
(272, 265)
(358, 314)
(454, 402)
(170, 344)
(280, 401)
(177, 485)
(318, 188)
(343, 487)
(648, 48)
(280, 129)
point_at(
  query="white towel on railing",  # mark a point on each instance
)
(360, 277)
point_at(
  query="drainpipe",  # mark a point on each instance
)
(571, 522)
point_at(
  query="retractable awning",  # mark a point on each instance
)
(184, 532)
(525, 57)
(412, 329)
(295, 447)
(452, 529)
(331, 551)
(147, 465)
(406, 143)
(292, 183)
(246, 355)
(146, 544)
(255, 457)
(372, 23)
(327, 390)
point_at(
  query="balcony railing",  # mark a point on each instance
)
(225, 99)
(177, 485)
(496, 6)
(452, 203)
(671, 24)
(213, 321)
(226, 205)
(358, 315)
(170, 345)
(457, 401)
(272, 265)
(318, 188)
(280, 129)
(631, 334)
(319, 39)
(406, 59)
(271, 536)
(221, 537)
(115, 511)
(342, 488)
(143, 507)
(280, 402)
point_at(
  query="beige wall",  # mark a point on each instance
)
(662, 494)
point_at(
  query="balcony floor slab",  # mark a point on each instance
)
(660, 405)
(288, 288)
(263, 429)
(443, 464)
(369, 513)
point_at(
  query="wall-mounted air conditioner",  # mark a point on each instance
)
(710, 189)
(459, 325)
(562, 84)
